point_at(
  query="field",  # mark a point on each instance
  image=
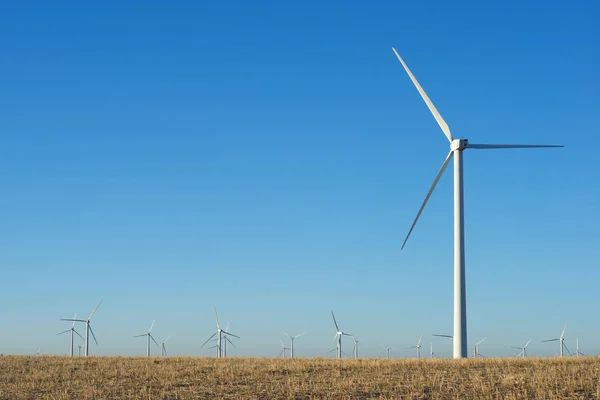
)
(256, 378)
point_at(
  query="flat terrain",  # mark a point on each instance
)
(257, 378)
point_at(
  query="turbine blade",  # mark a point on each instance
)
(78, 334)
(94, 312)
(448, 336)
(68, 330)
(569, 351)
(74, 319)
(420, 340)
(231, 334)
(282, 345)
(511, 146)
(287, 335)
(562, 335)
(518, 348)
(155, 342)
(167, 339)
(430, 105)
(549, 340)
(335, 322)
(481, 341)
(227, 327)
(297, 336)
(141, 335)
(527, 344)
(435, 181)
(216, 317)
(151, 326)
(230, 342)
(334, 338)
(71, 319)
(94, 336)
(208, 340)
(347, 334)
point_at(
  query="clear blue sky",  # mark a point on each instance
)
(269, 158)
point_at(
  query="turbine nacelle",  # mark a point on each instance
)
(459, 144)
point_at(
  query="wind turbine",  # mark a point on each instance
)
(431, 353)
(283, 349)
(387, 349)
(561, 339)
(163, 349)
(88, 328)
(292, 338)
(418, 347)
(79, 350)
(476, 349)
(73, 332)
(149, 336)
(457, 146)
(355, 349)
(577, 352)
(523, 349)
(338, 336)
(219, 334)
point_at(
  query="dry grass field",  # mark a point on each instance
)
(256, 378)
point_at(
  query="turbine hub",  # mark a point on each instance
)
(459, 144)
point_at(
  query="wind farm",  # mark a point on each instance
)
(197, 195)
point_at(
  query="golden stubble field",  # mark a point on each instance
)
(261, 378)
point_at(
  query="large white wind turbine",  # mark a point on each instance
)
(88, 328)
(418, 347)
(149, 336)
(73, 332)
(523, 349)
(476, 353)
(219, 334)
(561, 339)
(292, 338)
(338, 337)
(457, 146)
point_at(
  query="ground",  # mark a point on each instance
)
(45, 377)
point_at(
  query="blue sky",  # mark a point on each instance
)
(269, 158)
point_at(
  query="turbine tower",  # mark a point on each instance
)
(73, 332)
(476, 349)
(292, 338)
(88, 329)
(431, 353)
(418, 347)
(149, 336)
(523, 349)
(577, 352)
(457, 146)
(338, 337)
(163, 349)
(219, 334)
(561, 339)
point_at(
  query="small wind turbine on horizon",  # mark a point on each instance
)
(523, 349)
(338, 337)
(219, 334)
(431, 353)
(163, 349)
(79, 350)
(283, 349)
(73, 332)
(88, 328)
(355, 349)
(577, 352)
(457, 146)
(292, 338)
(561, 341)
(476, 353)
(149, 336)
(387, 349)
(418, 347)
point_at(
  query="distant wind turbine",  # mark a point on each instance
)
(88, 328)
(418, 347)
(292, 338)
(163, 349)
(561, 341)
(457, 146)
(523, 349)
(431, 353)
(355, 349)
(73, 332)
(283, 349)
(79, 350)
(476, 349)
(577, 352)
(387, 349)
(219, 334)
(149, 336)
(338, 336)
